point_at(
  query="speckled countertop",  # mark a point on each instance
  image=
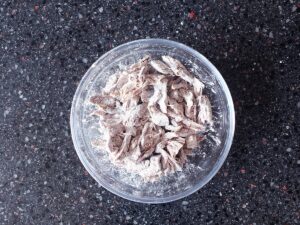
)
(47, 46)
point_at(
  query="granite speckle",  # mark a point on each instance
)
(47, 46)
(288, 149)
(185, 203)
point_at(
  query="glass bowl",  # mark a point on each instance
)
(206, 159)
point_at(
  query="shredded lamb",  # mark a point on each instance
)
(152, 115)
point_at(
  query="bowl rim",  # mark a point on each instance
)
(218, 163)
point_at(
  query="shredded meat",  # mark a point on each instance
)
(152, 114)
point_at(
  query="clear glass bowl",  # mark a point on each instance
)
(205, 161)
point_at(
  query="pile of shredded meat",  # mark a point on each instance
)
(152, 115)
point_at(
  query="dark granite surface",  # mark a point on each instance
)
(46, 47)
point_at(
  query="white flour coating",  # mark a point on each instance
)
(152, 115)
